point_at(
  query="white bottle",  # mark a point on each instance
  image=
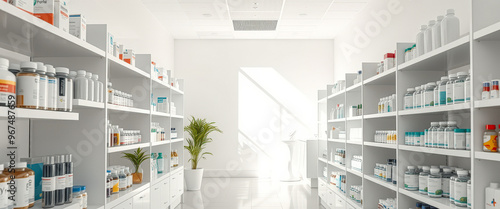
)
(42, 97)
(101, 90)
(51, 88)
(421, 40)
(489, 197)
(436, 33)
(63, 90)
(71, 89)
(428, 36)
(81, 85)
(449, 89)
(97, 90)
(434, 183)
(111, 93)
(450, 28)
(91, 86)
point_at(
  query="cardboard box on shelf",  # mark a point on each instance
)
(25, 5)
(61, 15)
(45, 10)
(129, 56)
(78, 26)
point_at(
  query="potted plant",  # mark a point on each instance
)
(137, 158)
(198, 130)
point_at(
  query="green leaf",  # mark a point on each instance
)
(199, 130)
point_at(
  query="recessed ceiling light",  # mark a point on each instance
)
(207, 15)
(303, 14)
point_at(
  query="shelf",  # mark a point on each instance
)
(381, 145)
(386, 78)
(177, 116)
(39, 38)
(357, 173)
(337, 120)
(159, 143)
(336, 191)
(177, 140)
(177, 91)
(354, 87)
(80, 103)
(354, 204)
(334, 164)
(436, 151)
(450, 56)
(160, 114)
(73, 205)
(39, 114)
(117, 108)
(322, 100)
(380, 115)
(441, 203)
(354, 142)
(438, 109)
(322, 160)
(120, 69)
(490, 33)
(127, 147)
(116, 199)
(337, 140)
(489, 103)
(336, 94)
(158, 84)
(492, 156)
(388, 185)
(161, 177)
(176, 169)
(354, 118)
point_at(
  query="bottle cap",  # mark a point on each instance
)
(21, 165)
(450, 11)
(444, 78)
(431, 84)
(432, 22)
(15, 67)
(76, 189)
(62, 70)
(48, 160)
(423, 27)
(462, 74)
(447, 170)
(439, 18)
(95, 77)
(426, 168)
(39, 65)
(82, 188)
(494, 185)
(443, 123)
(28, 65)
(69, 158)
(411, 167)
(452, 123)
(110, 84)
(1, 168)
(89, 75)
(490, 127)
(72, 74)
(50, 69)
(462, 173)
(81, 72)
(434, 170)
(41, 69)
(452, 76)
(4, 63)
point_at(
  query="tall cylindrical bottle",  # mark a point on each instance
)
(81, 85)
(68, 168)
(91, 86)
(60, 180)
(421, 41)
(48, 182)
(62, 92)
(51, 88)
(28, 86)
(97, 90)
(42, 98)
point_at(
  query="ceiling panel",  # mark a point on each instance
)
(255, 5)
(215, 35)
(295, 22)
(255, 15)
(255, 35)
(347, 6)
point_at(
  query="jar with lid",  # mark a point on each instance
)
(490, 136)
(442, 90)
(109, 181)
(84, 197)
(449, 89)
(51, 88)
(71, 90)
(459, 88)
(467, 88)
(97, 90)
(450, 135)
(115, 182)
(450, 27)
(429, 94)
(8, 82)
(421, 40)
(422, 180)
(486, 91)
(428, 37)
(417, 98)
(4, 197)
(63, 89)
(123, 179)
(435, 184)
(436, 33)
(91, 86)
(433, 134)
(81, 85)
(42, 70)
(129, 177)
(111, 94)
(446, 181)
(461, 188)
(77, 196)
(494, 91)
(441, 134)
(411, 179)
(28, 86)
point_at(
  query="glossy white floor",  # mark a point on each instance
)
(251, 193)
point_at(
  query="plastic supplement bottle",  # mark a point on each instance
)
(467, 88)
(445, 182)
(28, 86)
(51, 88)
(441, 134)
(429, 94)
(490, 139)
(422, 180)
(116, 181)
(409, 98)
(7, 81)
(459, 88)
(461, 188)
(91, 86)
(436, 33)
(450, 135)
(111, 93)
(81, 85)
(428, 37)
(60, 180)
(123, 179)
(97, 90)
(421, 40)
(71, 89)
(450, 28)
(63, 90)
(42, 70)
(48, 182)
(442, 90)
(434, 183)
(433, 134)
(411, 179)
(22, 184)
(449, 89)
(4, 197)
(68, 169)
(417, 99)
(469, 194)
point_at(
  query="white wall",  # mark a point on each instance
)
(372, 33)
(132, 25)
(210, 69)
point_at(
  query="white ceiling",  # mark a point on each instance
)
(212, 19)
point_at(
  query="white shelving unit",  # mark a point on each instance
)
(476, 51)
(83, 132)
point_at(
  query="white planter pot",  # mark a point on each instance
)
(193, 179)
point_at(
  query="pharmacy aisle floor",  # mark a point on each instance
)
(251, 193)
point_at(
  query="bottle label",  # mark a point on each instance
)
(411, 182)
(422, 184)
(467, 90)
(445, 185)
(460, 193)
(7, 88)
(440, 138)
(4, 201)
(449, 93)
(458, 92)
(22, 193)
(48, 184)
(28, 90)
(469, 195)
(52, 93)
(62, 93)
(60, 182)
(130, 180)
(116, 186)
(43, 91)
(449, 140)
(123, 183)
(442, 95)
(490, 143)
(69, 180)
(429, 98)
(435, 187)
(31, 185)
